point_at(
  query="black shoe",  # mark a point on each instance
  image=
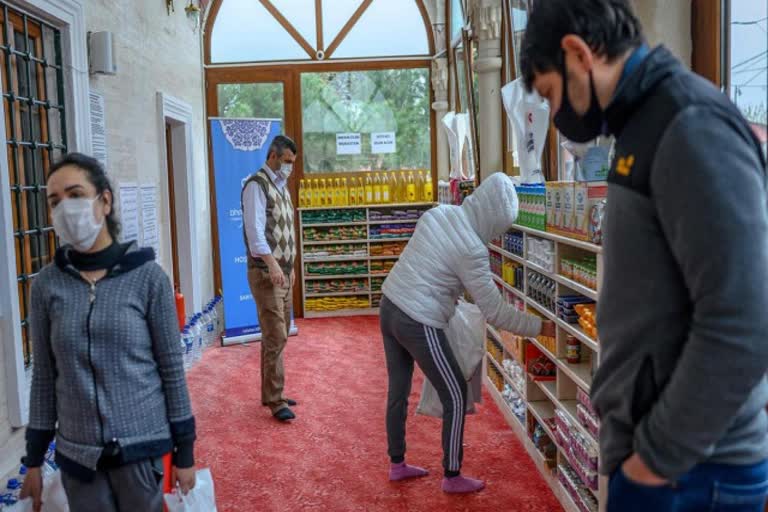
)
(291, 403)
(285, 414)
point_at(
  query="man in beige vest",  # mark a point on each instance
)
(269, 237)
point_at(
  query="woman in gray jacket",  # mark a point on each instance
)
(108, 377)
(447, 254)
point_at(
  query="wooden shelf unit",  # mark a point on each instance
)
(365, 259)
(543, 398)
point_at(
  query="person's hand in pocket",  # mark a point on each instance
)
(638, 472)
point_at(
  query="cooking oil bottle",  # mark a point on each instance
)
(377, 188)
(386, 191)
(429, 191)
(394, 188)
(301, 194)
(360, 192)
(368, 189)
(344, 191)
(419, 186)
(411, 188)
(403, 183)
(316, 193)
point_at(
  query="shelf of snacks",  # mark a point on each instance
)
(557, 277)
(347, 252)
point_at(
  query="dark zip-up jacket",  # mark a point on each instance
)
(682, 311)
(107, 366)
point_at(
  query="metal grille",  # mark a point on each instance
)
(32, 77)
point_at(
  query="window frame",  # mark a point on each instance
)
(290, 74)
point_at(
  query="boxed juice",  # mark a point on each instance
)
(557, 223)
(568, 207)
(550, 215)
(586, 196)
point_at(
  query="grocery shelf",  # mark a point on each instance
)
(509, 287)
(380, 258)
(579, 244)
(507, 378)
(372, 240)
(543, 410)
(341, 313)
(541, 309)
(331, 259)
(543, 349)
(399, 221)
(337, 294)
(334, 224)
(577, 287)
(580, 373)
(334, 242)
(365, 206)
(569, 408)
(510, 256)
(539, 269)
(312, 277)
(496, 334)
(549, 387)
(578, 333)
(549, 476)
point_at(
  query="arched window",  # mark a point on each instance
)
(305, 30)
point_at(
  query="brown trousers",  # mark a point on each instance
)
(273, 303)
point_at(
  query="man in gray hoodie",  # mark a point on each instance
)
(681, 389)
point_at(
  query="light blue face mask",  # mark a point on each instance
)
(285, 170)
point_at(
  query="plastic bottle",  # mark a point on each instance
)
(429, 190)
(411, 188)
(377, 197)
(302, 194)
(360, 192)
(344, 192)
(194, 332)
(420, 186)
(220, 315)
(352, 192)
(386, 190)
(315, 192)
(394, 187)
(403, 183)
(214, 322)
(324, 192)
(368, 189)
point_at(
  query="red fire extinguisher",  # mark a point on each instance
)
(180, 309)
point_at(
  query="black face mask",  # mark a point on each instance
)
(578, 128)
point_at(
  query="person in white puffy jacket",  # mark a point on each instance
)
(447, 254)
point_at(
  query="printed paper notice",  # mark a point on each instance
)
(348, 143)
(149, 230)
(383, 142)
(129, 211)
(98, 128)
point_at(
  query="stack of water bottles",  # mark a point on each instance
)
(10, 495)
(201, 332)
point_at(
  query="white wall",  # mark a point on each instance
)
(667, 22)
(155, 52)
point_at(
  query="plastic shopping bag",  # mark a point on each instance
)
(529, 114)
(54, 497)
(465, 335)
(199, 499)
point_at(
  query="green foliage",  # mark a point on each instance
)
(355, 102)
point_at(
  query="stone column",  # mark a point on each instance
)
(440, 106)
(440, 89)
(487, 31)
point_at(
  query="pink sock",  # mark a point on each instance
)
(462, 485)
(403, 471)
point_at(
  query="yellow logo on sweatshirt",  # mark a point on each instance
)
(624, 165)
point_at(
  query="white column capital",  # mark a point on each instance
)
(487, 19)
(440, 79)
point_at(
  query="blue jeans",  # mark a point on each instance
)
(706, 488)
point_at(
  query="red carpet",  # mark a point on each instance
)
(333, 457)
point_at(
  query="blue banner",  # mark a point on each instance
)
(240, 149)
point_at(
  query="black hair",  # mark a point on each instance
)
(280, 144)
(97, 177)
(609, 27)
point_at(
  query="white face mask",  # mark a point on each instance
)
(75, 223)
(286, 170)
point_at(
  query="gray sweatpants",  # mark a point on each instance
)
(130, 488)
(406, 341)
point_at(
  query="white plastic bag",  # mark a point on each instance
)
(199, 499)
(466, 339)
(529, 114)
(54, 497)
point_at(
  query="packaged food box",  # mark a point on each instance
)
(569, 211)
(586, 196)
